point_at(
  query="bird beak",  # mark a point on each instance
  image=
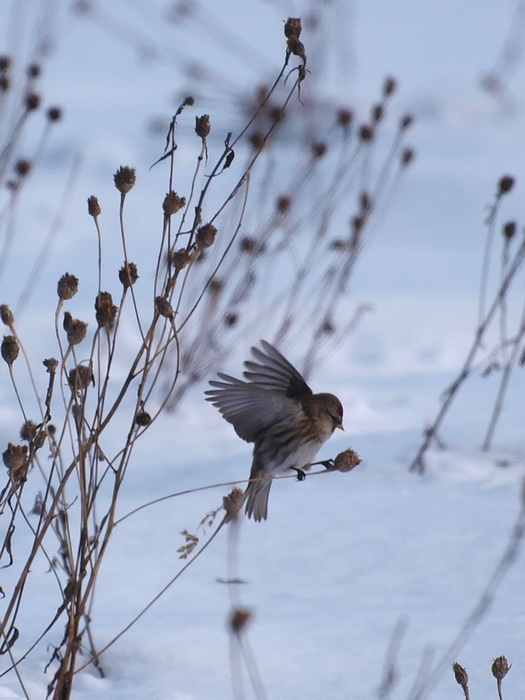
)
(340, 426)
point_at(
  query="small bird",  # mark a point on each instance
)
(277, 411)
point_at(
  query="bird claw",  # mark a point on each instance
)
(301, 476)
(328, 463)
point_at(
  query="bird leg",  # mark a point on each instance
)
(301, 476)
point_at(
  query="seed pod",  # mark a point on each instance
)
(128, 274)
(80, 377)
(105, 310)
(206, 235)
(75, 329)
(15, 459)
(67, 286)
(172, 203)
(163, 307)
(6, 315)
(10, 349)
(54, 114)
(500, 668)
(232, 504)
(238, 619)
(346, 461)
(202, 126)
(93, 206)
(505, 184)
(293, 27)
(180, 259)
(124, 179)
(142, 419)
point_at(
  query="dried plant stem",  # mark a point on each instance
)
(418, 462)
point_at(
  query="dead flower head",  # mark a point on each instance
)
(10, 349)
(15, 459)
(206, 235)
(67, 286)
(232, 504)
(239, 618)
(128, 274)
(93, 206)
(346, 461)
(80, 377)
(202, 126)
(105, 309)
(172, 203)
(75, 329)
(124, 179)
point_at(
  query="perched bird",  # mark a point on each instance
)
(277, 411)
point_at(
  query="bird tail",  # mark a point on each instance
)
(256, 499)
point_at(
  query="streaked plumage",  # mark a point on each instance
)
(276, 410)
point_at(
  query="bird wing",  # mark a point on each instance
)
(273, 372)
(250, 408)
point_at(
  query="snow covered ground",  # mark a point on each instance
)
(344, 558)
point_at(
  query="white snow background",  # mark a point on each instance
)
(343, 558)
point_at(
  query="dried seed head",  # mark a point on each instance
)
(509, 229)
(93, 206)
(79, 378)
(180, 259)
(407, 157)
(10, 349)
(378, 112)
(460, 674)
(75, 329)
(164, 307)
(346, 461)
(34, 70)
(283, 204)
(172, 203)
(67, 286)
(318, 149)
(406, 121)
(50, 364)
(28, 431)
(5, 63)
(366, 133)
(22, 167)
(6, 315)
(105, 309)
(232, 504)
(505, 184)
(293, 27)
(206, 235)
(124, 179)
(257, 140)
(15, 459)
(216, 286)
(344, 117)
(142, 419)
(500, 668)
(238, 619)
(128, 275)
(231, 319)
(389, 86)
(248, 245)
(32, 101)
(54, 114)
(202, 126)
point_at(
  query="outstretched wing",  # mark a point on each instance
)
(250, 408)
(274, 373)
